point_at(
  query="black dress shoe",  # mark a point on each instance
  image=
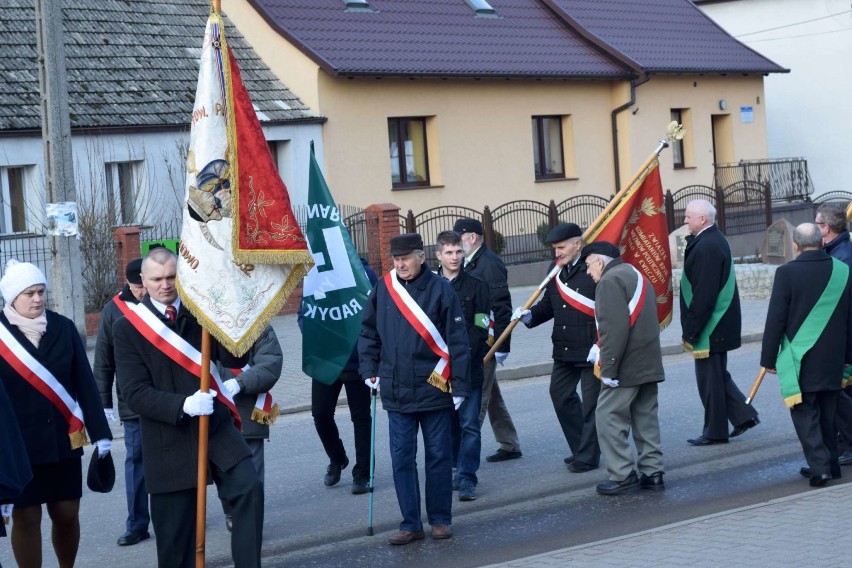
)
(653, 482)
(133, 537)
(806, 472)
(569, 460)
(845, 458)
(618, 487)
(503, 455)
(577, 466)
(360, 486)
(332, 473)
(702, 441)
(741, 429)
(819, 480)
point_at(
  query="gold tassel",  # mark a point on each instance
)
(78, 439)
(439, 382)
(597, 370)
(265, 418)
(490, 340)
(845, 383)
(792, 401)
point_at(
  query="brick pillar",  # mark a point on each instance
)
(128, 245)
(382, 224)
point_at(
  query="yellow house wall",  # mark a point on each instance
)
(484, 141)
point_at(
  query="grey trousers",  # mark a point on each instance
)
(498, 414)
(620, 410)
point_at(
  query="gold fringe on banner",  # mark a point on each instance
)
(439, 382)
(792, 401)
(265, 418)
(78, 439)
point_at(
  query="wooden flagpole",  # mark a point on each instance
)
(203, 428)
(753, 392)
(203, 432)
(673, 132)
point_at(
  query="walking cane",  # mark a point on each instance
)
(756, 385)
(373, 393)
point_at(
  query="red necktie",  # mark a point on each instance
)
(171, 313)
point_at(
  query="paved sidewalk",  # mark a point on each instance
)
(799, 530)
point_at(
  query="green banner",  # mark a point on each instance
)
(335, 290)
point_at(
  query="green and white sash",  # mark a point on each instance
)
(701, 348)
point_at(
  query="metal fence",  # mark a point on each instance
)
(742, 207)
(836, 198)
(788, 179)
(354, 219)
(32, 248)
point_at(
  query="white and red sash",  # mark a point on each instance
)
(265, 409)
(634, 308)
(490, 340)
(414, 314)
(41, 379)
(575, 299)
(175, 348)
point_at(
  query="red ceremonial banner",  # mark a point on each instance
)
(265, 229)
(637, 225)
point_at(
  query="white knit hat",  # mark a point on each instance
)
(18, 277)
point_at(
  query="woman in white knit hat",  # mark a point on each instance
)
(44, 368)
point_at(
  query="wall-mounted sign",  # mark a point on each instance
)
(747, 114)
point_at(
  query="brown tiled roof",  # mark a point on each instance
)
(438, 38)
(666, 36)
(130, 64)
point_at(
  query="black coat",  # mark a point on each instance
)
(104, 367)
(156, 388)
(15, 470)
(490, 268)
(475, 298)
(574, 332)
(44, 429)
(391, 349)
(707, 264)
(798, 285)
(840, 247)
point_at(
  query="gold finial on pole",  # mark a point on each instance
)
(217, 6)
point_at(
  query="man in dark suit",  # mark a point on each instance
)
(807, 341)
(711, 324)
(569, 300)
(166, 396)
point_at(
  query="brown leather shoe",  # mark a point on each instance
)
(406, 537)
(441, 531)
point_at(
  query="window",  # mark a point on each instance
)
(121, 190)
(408, 152)
(273, 149)
(547, 147)
(13, 217)
(677, 145)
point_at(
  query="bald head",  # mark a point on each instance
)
(807, 236)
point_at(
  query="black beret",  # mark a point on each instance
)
(133, 272)
(405, 243)
(601, 247)
(468, 225)
(563, 232)
(101, 475)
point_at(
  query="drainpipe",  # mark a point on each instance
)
(633, 84)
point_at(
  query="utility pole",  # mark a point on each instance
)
(66, 277)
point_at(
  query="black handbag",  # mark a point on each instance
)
(101, 476)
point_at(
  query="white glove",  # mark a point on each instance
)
(232, 386)
(6, 511)
(500, 357)
(104, 446)
(612, 383)
(524, 315)
(594, 354)
(110, 414)
(199, 404)
(457, 401)
(372, 383)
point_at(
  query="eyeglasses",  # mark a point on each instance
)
(820, 223)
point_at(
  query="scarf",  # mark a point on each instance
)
(32, 328)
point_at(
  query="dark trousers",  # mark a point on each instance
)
(722, 399)
(256, 447)
(323, 404)
(467, 437)
(843, 420)
(435, 427)
(138, 516)
(576, 417)
(813, 419)
(173, 516)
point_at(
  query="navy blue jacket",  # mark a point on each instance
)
(840, 248)
(391, 349)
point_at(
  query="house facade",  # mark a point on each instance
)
(810, 109)
(482, 103)
(130, 105)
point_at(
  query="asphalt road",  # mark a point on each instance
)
(526, 506)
